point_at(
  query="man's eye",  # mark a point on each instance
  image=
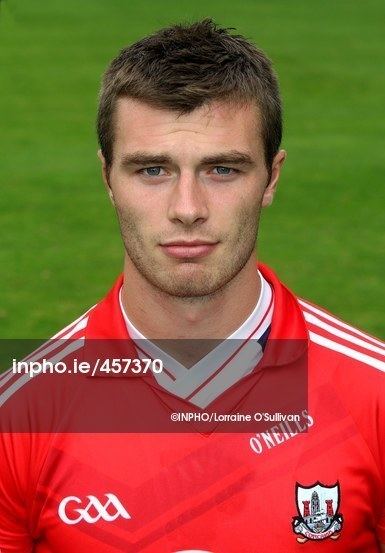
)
(151, 171)
(223, 170)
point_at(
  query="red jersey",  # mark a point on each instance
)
(289, 486)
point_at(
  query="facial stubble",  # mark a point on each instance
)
(191, 280)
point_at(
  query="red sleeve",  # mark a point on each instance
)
(381, 453)
(363, 394)
(380, 529)
(379, 423)
(28, 423)
(14, 532)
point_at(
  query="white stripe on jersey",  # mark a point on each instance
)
(64, 334)
(242, 364)
(48, 346)
(341, 334)
(341, 324)
(322, 341)
(74, 345)
(7, 375)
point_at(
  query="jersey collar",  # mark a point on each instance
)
(288, 326)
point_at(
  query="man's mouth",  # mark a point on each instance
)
(188, 249)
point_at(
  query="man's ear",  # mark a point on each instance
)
(271, 187)
(105, 177)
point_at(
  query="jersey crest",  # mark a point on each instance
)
(318, 512)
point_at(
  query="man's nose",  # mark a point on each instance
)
(188, 202)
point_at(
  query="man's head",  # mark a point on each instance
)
(189, 127)
(180, 68)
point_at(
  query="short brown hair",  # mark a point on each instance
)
(184, 66)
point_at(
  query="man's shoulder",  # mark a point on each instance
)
(347, 374)
(63, 345)
(65, 341)
(341, 340)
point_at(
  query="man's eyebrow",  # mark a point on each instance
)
(233, 157)
(143, 158)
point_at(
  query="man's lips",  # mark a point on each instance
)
(193, 249)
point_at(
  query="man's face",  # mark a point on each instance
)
(188, 191)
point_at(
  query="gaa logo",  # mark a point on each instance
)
(67, 509)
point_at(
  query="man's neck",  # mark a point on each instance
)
(161, 316)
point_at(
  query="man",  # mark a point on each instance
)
(189, 126)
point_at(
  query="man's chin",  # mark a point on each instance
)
(191, 282)
(188, 291)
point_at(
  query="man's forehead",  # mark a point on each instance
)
(214, 127)
(137, 114)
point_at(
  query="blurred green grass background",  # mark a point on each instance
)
(324, 235)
